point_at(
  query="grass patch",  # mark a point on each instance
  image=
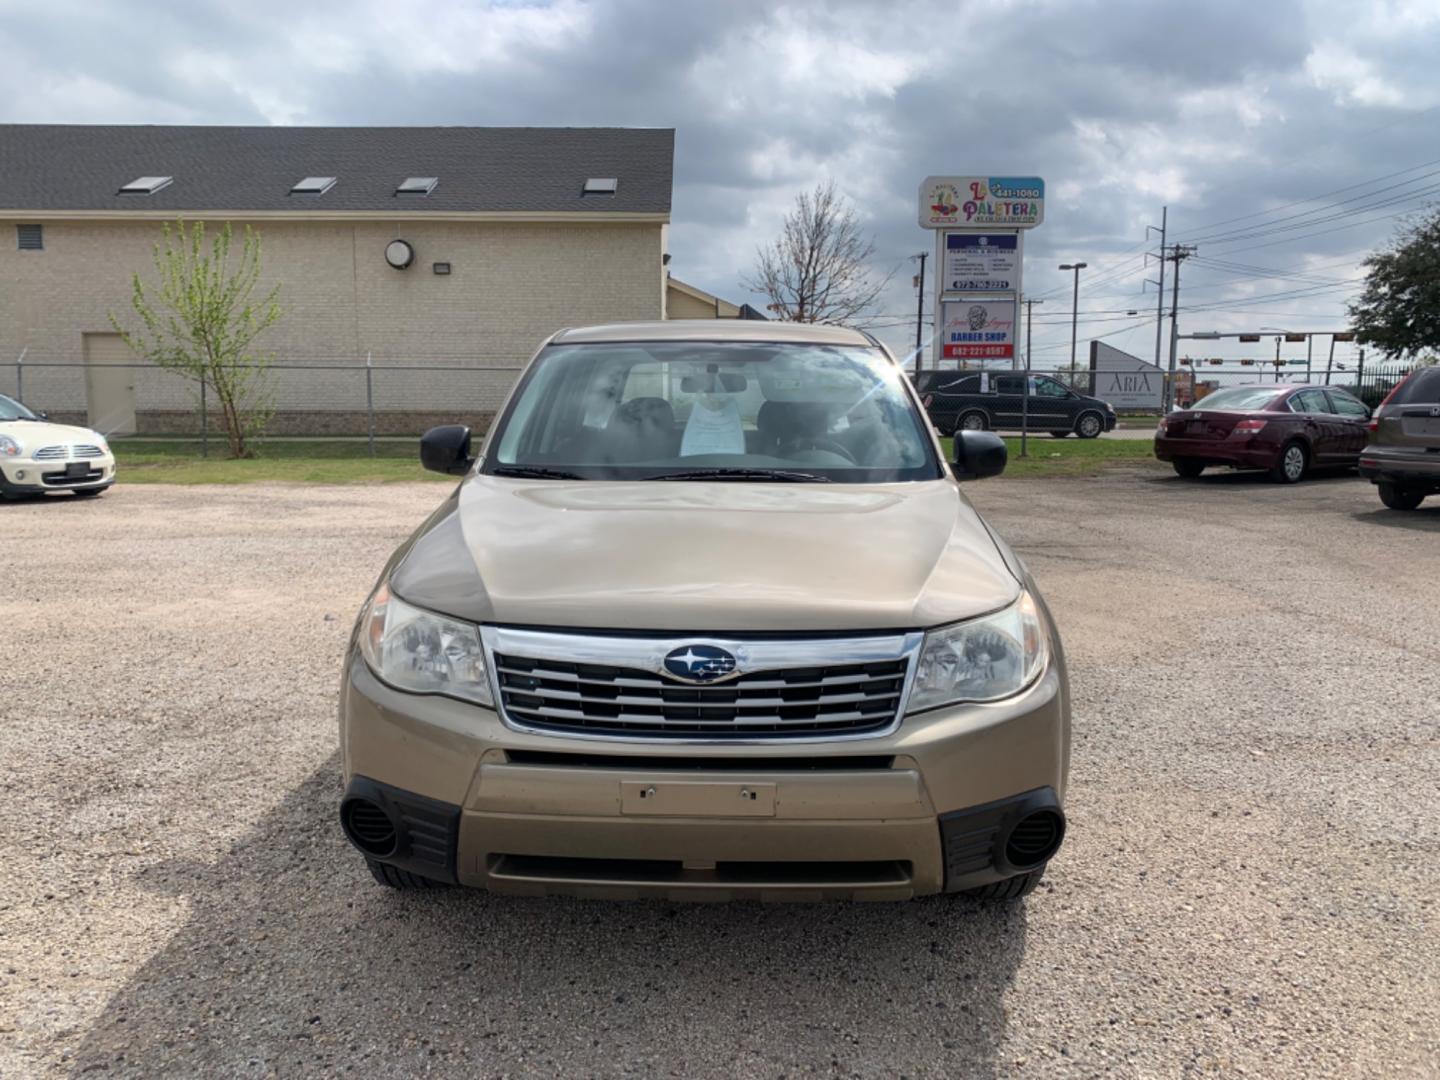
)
(348, 461)
(300, 461)
(1070, 457)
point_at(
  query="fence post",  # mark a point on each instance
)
(204, 421)
(370, 400)
(20, 375)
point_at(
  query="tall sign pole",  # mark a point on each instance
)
(979, 224)
(920, 311)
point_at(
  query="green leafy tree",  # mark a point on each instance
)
(1398, 312)
(202, 319)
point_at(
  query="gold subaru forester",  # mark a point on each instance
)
(708, 616)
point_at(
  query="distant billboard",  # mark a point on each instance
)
(981, 262)
(1125, 381)
(979, 329)
(970, 202)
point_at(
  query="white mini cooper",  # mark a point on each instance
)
(37, 456)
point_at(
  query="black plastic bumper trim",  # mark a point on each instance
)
(973, 840)
(427, 830)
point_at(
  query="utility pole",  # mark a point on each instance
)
(1025, 390)
(1029, 326)
(920, 309)
(1160, 290)
(1074, 314)
(1330, 361)
(1178, 254)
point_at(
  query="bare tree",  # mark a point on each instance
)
(818, 270)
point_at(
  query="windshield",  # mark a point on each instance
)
(10, 409)
(727, 410)
(1240, 398)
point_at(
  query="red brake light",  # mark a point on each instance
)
(1249, 427)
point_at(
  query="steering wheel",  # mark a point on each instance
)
(830, 446)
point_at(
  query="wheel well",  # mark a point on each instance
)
(973, 410)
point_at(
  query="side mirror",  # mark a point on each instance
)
(43, 415)
(446, 449)
(979, 454)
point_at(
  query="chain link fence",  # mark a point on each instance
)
(316, 397)
(376, 398)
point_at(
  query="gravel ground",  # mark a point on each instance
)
(1249, 887)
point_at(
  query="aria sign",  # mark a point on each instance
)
(970, 202)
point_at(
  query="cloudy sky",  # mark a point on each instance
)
(1287, 137)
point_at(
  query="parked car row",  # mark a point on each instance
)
(1289, 430)
(37, 457)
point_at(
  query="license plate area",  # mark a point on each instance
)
(77, 469)
(697, 798)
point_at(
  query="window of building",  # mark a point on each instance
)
(417, 185)
(146, 185)
(313, 185)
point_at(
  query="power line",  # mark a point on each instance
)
(1267, 226)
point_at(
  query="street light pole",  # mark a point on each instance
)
(1074, 315)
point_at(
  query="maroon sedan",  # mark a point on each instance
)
(1286, 429)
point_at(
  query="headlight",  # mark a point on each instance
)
(981, 660)
(10, 447)
(421, 652)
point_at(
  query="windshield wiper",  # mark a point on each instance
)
(534, 472)
(782, 475)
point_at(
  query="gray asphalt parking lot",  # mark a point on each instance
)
(1249, 886)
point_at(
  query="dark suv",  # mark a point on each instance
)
(987, 400)
(1403, 455)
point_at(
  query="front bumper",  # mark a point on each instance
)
(23, 476)
(1410, 468)
(925, 809)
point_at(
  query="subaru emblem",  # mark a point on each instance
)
(700, 664)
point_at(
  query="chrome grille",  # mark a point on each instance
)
(60, 453)
(611, 686)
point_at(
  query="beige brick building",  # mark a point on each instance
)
(521, 232)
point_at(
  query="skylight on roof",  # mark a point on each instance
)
(417, 185)
(600, 186)
(146, 185)
(313, 185)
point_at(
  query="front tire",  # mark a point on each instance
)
(1400, 498)
(973, 421)
(1291, 466)
(1009, 889)
(1189, 468)
(394, 878)
(1089, 425)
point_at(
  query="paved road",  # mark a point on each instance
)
(1249, 888)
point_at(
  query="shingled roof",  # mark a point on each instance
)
(52, 167)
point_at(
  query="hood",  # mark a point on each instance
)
(37, 433)
(706, 557)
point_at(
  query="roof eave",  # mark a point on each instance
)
(614, 217)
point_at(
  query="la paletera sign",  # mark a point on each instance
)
(963, 202)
